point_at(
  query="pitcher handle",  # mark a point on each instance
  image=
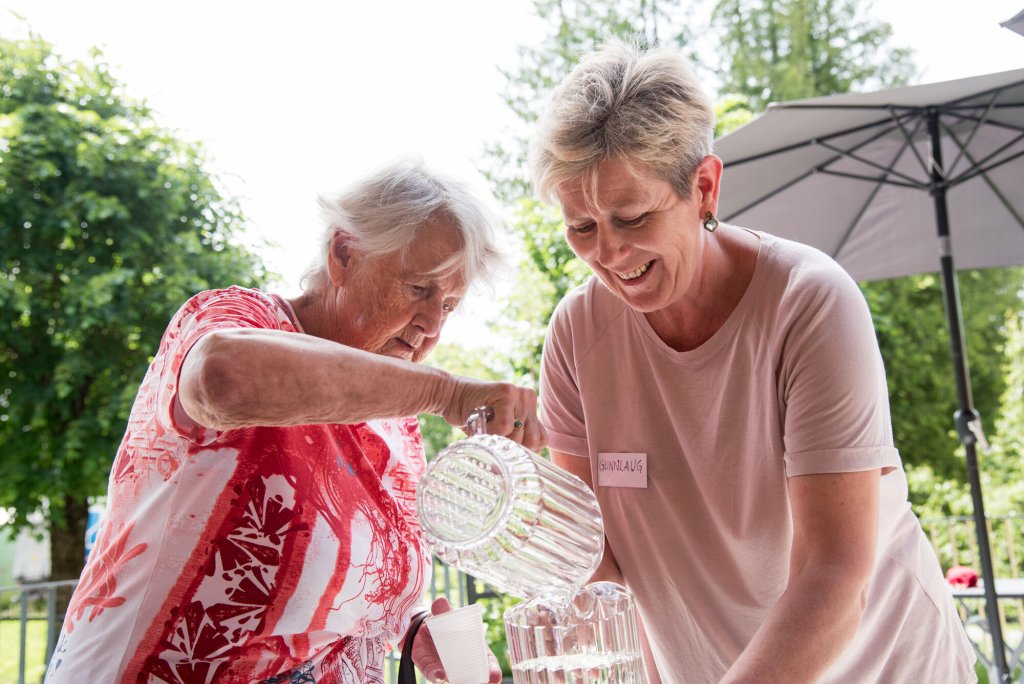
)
(478, 417)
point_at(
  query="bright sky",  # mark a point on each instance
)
(296, 98)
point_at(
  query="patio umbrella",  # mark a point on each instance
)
(1015, 23)
(878, 180)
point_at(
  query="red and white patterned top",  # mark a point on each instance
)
(251, 555)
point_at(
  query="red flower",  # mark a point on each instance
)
(962, 577)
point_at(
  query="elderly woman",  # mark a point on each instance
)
(261, 523)
(722, 391)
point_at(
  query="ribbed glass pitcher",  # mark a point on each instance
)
(581, 636)
(503, 514)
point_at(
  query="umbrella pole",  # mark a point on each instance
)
(966, 414)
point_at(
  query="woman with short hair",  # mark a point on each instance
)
(722, 391)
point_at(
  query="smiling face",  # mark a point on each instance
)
(393, 305)
(643, 240)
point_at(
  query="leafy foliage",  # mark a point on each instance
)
(780, 50)
(108, 224)
(454, 358)
(550, 269)
(910, 321)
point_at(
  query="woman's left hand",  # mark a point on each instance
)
(425, 656)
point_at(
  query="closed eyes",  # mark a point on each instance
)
(634, 222)
(587, 228)
(581, 229)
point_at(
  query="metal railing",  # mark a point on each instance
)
(21, 607)
(955, 541)
(25, 605)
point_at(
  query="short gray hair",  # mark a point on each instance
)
(641, 106)
(385, 212)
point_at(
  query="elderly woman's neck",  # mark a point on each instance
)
(314, 311)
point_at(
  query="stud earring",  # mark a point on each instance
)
(710, 222)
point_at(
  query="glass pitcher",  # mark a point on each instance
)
(582, 636)
(505, 515)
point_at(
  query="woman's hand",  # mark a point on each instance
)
(425, 656)
(514, 407)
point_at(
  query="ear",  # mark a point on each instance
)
(339, 256)
(708, 182)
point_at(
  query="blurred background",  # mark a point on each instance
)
(148, 151)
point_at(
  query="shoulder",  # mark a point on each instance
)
(234, 293)
(805, 279)
(248, 306)
(804, 264)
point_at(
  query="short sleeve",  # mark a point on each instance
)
(561, 405)
(833, 383)
(234, 307)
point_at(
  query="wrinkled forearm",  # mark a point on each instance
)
(243, 377)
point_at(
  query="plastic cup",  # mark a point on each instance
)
(459, 639)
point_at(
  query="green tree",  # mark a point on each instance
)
(770, 50)
(910, 322)
(1005, 459)
(454, 358)
(549, 268)
(108, 223)
(778, 50)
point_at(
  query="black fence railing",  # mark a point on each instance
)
(30, 623)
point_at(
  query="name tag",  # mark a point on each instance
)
(622, 470)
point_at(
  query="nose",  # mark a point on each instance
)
(431, 316)
(610, 244)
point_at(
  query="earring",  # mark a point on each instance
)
(710, 222)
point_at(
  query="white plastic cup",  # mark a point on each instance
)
(459, 638)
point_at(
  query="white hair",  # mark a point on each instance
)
(385, 211)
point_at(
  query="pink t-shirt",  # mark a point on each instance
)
(255, 554)
(690, 454)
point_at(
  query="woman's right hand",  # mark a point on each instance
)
(514, 410)
(425, 656)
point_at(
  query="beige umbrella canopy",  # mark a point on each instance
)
(850, 174)
(890, 184)
(1015, 23)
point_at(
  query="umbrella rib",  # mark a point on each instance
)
(983, 172)
(979, 166)
(907, 142)
(911, 182)
(991, 122)
(856, 219)
(956, 108)
(977, 125)
(762, 198)
(968, 175)
(908, 138)
(840, 105)
(881, 180)
(991, 91)
(811, 141)
(807, 143)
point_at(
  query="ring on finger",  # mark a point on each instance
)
(518, 424)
